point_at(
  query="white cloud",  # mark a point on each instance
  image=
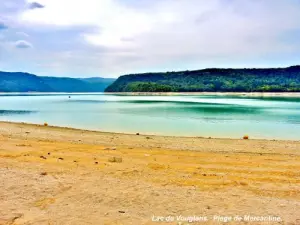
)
(172, 34)
(168, 18)
(23, 34)
(23, 44)
(114, 21)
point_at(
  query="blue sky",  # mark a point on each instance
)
(108, 38)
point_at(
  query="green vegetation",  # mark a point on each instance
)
(211, 80)
(149, 87)
(25, 82)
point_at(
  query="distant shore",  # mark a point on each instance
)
(255, 94)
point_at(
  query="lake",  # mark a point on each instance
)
(181, 115)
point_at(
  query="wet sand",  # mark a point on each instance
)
(52, 175)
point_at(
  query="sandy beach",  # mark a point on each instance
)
(51, 175)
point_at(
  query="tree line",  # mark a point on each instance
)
(212, 80)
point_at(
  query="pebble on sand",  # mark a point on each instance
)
(112, 148)
(246, 137)
(115, 159)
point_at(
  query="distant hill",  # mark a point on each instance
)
(212, 80)
(65, 84)
(25, 82)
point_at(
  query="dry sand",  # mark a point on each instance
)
(51, 175)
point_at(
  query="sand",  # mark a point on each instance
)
(51, 175)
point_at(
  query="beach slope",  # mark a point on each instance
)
(51, 175)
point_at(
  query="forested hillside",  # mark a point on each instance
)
(22, 82)
(212, 80)
(25, 82)
(65, 84)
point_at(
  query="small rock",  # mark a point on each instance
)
(96, 162)
(43, 157)
(111, 159)
(243, 183)
(208, 207)
(43, 173)
(137, 133)
(61, 158)
(21, 145)
(49, 153)
(113, 148)
(121, 211)
(115, 159)
(246, 137)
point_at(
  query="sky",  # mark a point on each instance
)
(109, 38)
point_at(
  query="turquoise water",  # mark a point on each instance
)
(192, 115)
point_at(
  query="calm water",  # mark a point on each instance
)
(197, 115)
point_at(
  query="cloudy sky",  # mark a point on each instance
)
(108, 38)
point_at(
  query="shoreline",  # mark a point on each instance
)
(139, 134)
(201, 144)
(54, 175)
(254, 94)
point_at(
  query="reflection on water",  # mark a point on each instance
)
(12, 112)
(195, 115)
